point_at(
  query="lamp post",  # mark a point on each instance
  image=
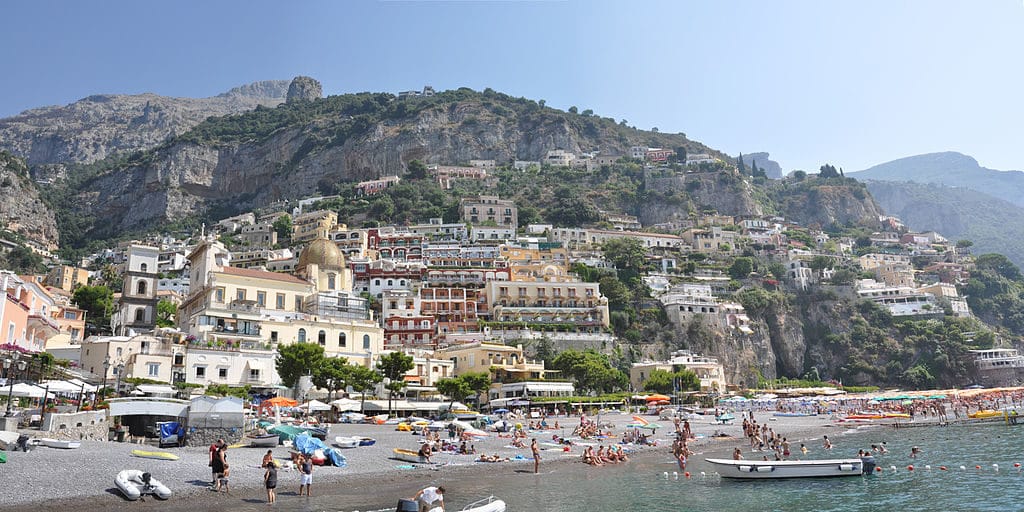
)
(10, 364)
(387, 382)
(120, 370)
(106, 368)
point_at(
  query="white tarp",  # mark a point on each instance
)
(315, 405)
(156, 389)
(346, 404)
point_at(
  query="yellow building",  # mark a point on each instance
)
(708, 370)
(313, 225)
(575, 305)
(504, 363)
(256, 309)
(67, 278)
(531, 260)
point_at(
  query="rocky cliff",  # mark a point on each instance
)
(817, 202)
(771, 168)
(21, 210)
(101, 125)
(678, 197)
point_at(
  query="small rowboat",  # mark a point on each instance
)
(985, 414)
(154, 455)
(346, 442)
(408, 456)
(56, 443)
(366, 441)
(263, 440)
(756, 469)
(134, 484)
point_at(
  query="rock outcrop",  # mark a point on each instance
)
(21, 209)
(304, 88)
(771, 168)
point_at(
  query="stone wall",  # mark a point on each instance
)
(207, 436)
(76, 426)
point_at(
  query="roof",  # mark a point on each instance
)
(262, 274)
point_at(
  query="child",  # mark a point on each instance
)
(223, 484)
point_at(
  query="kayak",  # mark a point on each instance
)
(155, 455)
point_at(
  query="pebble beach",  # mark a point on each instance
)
(48, 479)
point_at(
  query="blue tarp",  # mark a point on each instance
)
(307, 444)
(170, 428)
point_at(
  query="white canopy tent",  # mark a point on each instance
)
(315, 405)
(23, 390)
(345, 404)
(63, 386)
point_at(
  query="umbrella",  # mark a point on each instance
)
(345, 404)
(23, 390)
(652, 426)
(500, 411)
(315, 405)
(280, 401)
(657, 398)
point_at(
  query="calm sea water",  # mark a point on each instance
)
(642, 486)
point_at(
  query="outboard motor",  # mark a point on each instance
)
(869, 464)
(407, 506)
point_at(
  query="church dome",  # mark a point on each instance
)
(323, 253)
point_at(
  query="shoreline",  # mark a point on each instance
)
(370, 476)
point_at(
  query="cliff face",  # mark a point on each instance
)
(21, 210)
(98, 126)
(675, 198)
(822, 203)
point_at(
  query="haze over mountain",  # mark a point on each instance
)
(951, 169)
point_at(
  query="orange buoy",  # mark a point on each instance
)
(977, 467)
(878, 469)
(687, 474)
(1016, 464)
(910, 467)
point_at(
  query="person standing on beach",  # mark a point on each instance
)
(270, 481)
(536, 455)
(219, 464)
(214, 448)
(306, 475)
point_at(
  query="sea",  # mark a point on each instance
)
(982, 472)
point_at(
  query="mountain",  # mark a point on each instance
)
(99, 126)
(953, 170)
(994, 225)
(21, 210)
(771, 167)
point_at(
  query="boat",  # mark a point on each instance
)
(488, 504)
(154, 455)
(793, 414)
(56, 443)
(346, 442)
(366, 441)
(409, 456)
(980, 415)
(724, 418)
(758, 469)
(134, 484)
(263, 440)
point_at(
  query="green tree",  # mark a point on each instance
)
(393, 367)
(97, 302)
(687, 380)
(545, 351)
(283, 227)
(591, 371)
(479, 382)
(799, 175)
(22, 260)
(332, 375)
(165, 311)
(659, 381)
(296, 360)
(455, 388)
(573, 109)
(963, 244)
(363, 380)
(417, 170)
(627, 254)
(616, 292)
(741, 267)
(828, 171)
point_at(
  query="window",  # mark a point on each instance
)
(222, 373)
(254, 374)
(302, 335)
(341, 339)
(140, 315)
(280, 301)
(154, 369)
(331, 279)
(321, 338)
(70, 315)
(144, 267)
(366, 341)
(200, 372)
(240, 294)
(218, 295)
(298, 303)
(140, 288)
(261, 299)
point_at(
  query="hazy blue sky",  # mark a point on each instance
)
(853, 83)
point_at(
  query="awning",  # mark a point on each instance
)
(63, 386)
(315, 405)
(155, 389)
(563, 386)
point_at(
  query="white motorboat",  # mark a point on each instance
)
(488, 504)
(347, 442)
(57, 443)
(134, 484)
(763, 469)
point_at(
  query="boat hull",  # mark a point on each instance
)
(408, 456)
(267, 441)
(346, 442)
(756, 469)
(132, 485)
(64, 445)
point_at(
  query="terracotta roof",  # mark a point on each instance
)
(263, 274)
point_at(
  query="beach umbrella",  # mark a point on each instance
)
(937, 397)
(652, 426)
(657, 398)
(23, 390)
(315, 405)
(345, 404)
(500, 411)
(280, 401)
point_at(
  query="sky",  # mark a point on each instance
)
(852, 83)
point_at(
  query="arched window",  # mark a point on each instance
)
(140, 288)
(341, 339)
(302, 335)
(331, 279)
(144, 267)
(321, 338)
(140, 315)
(366, 341)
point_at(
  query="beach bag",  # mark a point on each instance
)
(3, 457)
